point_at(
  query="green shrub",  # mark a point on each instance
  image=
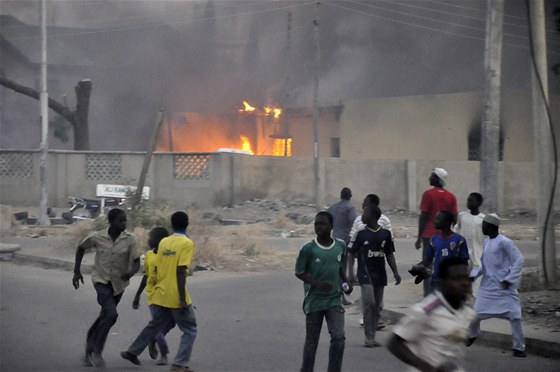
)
(250, 250)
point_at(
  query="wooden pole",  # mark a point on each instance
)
(170, 134)
(148, 157)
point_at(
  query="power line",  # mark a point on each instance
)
(452, 13)
(478, 10)
(434, 19)
(393, 20)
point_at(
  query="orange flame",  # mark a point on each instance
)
(266, 110)
(276, 111)
(246, 144)
(279, 147)
(248, 107)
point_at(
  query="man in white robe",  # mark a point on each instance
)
(498, 296)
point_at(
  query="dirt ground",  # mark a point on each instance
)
(230, 239)
(540, 307)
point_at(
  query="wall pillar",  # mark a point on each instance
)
(412, 182)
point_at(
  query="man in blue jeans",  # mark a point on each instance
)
(115, 248)
(321, 266)
(171, 298)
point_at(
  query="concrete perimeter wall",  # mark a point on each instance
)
(217, 179)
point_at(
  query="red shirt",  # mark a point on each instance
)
(435, 200)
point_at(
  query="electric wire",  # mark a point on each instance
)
(431, 19)
(553, 139)
(476, 18)
(457, 15)
(155, 24)
(331, 4)
(479, 10)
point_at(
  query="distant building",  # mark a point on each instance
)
(434, 127)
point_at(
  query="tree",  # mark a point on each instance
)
(78, 118)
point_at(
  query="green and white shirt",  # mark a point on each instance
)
(323, 264)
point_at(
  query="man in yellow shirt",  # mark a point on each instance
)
(171, 298)
(115, 248)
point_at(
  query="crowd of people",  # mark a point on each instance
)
(457, 249)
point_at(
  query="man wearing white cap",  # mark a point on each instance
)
(498, 296)
(434, 200)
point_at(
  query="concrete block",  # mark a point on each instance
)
(231, 222)
(5, 217)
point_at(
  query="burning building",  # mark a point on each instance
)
(250, 129)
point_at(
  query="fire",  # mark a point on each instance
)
(246, 144)
(266, 110)
(276, 111)
(248, 107)
(279, 147)
(246, 130)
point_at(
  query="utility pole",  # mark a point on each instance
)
(543, 144)
(490, 132)
(286, 85)
(316, 108)
(43, 219)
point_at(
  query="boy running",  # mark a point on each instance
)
(148, 282)
(117, 259)
(371, 247)
(171, 298)
(320, 265)
(431, 337)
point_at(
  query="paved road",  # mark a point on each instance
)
(247, 322)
